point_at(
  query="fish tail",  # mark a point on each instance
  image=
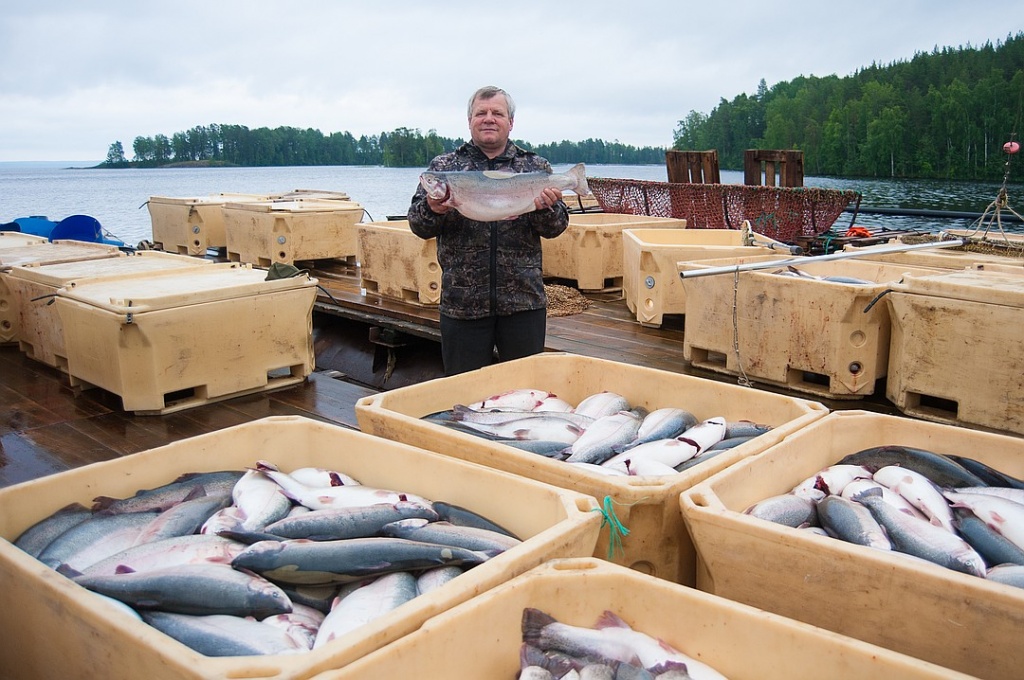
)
(579, 173)
(610, 619)
(534, 621)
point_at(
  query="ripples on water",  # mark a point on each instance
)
(117, 198)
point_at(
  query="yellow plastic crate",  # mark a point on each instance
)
(650, 280)
(396, 263)
(265, 232)
(648, 506)
(481, 638)
(926, 611)
(822, 338)
(589, 251)
(42, 334)
(23, 250)
(53, 628)
(170, 340)
(191, 225)
(957, 353)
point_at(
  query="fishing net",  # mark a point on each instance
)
(782, 213)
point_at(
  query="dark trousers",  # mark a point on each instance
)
(468, 344)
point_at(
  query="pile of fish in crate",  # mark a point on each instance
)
(347, 518)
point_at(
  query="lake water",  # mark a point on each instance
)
(117, 198)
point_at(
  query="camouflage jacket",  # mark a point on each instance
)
(488, 268)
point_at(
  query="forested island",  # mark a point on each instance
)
(403, 147)
(944, 114)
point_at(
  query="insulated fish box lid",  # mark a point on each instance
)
(576, 592)
(168, 289)
(211, 199)
(39, 253)
(318, 205)
(59, 274)
(16, 239)
(976, 285)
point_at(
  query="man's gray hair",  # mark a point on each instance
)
(487, 93)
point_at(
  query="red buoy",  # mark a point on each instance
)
(1011, 147)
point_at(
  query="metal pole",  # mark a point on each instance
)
(842, 255)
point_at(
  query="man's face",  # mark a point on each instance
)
(489, 124)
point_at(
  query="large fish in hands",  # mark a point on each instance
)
(489, 196)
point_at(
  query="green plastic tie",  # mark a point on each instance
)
(618, 530)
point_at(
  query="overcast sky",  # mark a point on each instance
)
(77, 76)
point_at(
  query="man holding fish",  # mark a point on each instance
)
(489, 203)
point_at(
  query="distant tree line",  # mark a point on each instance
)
(944, 114)
(403, 147)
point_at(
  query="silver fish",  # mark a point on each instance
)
(432, 579)
(923, 539)
(221, 635)
(919, 491)
(197, 589)
(35, 539)
(515, 400)
(355, 522)
(545, 426)
(363, 605)
(600, 440)
(1007, 574)
(444, 533)
(888, 495)
(1003, 515)
(602, 404)
(183, 519)
(301, 624)
(169, 552)
(668, 452)
(163, 497)
(490, 196)
(260, 500)
(321, 562)
(543, 631)
(851, 522)
(832, 479)
(464, 414)
(664, 423)
(788, 509)
(98, 537)
(323, 498)
(652, 651)
(990, 544)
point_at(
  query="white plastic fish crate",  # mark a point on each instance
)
(191, 225)
(53, 628)
(955, 620)
(16, 239)
(23, 250)
(822, 338)
(481, 638)
(265, 232)
(170, 340)
(650, 271)
(589, 251)
(396, 263)
(648, 506)
(957, 352)
(32, 287)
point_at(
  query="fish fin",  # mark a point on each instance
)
(263, 466)
(459, 411)
(534, 621)
(101, 503)
(197, 492)
(610, 619)
(666, 666)
(336, 479)
(873, 492)
(123, 569)
(65, 569)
